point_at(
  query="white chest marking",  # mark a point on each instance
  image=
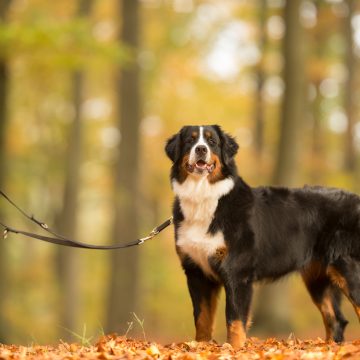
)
(198, 201)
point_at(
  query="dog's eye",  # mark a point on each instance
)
(190, 140)
(212, 141)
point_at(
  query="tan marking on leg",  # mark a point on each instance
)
(249, 322)
(338, 279)
(327, 311)
(203, 324)
(313, 273)
(236, 334)
(205, 321)
(341, 282)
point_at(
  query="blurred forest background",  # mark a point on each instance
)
(89, 92)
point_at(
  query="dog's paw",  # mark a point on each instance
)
(234, 345)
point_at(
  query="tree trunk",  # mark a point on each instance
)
(4, 6)
(4, 91)
(292, 115)
(68, 259)
(259, 103)
(124, 264)
(317, 148)
(273, 315)
(350, 90)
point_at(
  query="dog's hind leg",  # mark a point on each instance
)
(327, 298)
(341, 321)
(345, 273)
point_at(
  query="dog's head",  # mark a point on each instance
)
(202, 151)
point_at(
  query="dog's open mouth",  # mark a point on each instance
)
(201, 166)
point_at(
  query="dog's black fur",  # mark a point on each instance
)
(268, 233)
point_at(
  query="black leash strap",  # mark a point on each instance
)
(61, 240)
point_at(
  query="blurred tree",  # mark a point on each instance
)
(350, 90)
(124, 263)
(292, 116)
(68, 259)
(273, 314)
(259, 104)
(317, 75)
(4, 91)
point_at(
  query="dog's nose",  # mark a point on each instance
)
(201, 150)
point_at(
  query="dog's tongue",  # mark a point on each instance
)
(201, 164)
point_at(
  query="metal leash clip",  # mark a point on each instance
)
(154, 232)
(142, 240)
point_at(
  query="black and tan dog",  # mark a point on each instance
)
(229, 234)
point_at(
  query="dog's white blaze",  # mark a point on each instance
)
(201, 141)
(198, 201)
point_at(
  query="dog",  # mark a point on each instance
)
(232, 235)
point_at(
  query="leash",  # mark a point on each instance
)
(61, 240)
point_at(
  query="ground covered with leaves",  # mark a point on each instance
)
(116, 347)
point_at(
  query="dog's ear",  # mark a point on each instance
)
(229, 146)
(172, 148)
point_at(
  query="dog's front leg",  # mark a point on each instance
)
(204, 293)
(238, 300)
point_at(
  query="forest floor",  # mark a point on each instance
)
(116, 347)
